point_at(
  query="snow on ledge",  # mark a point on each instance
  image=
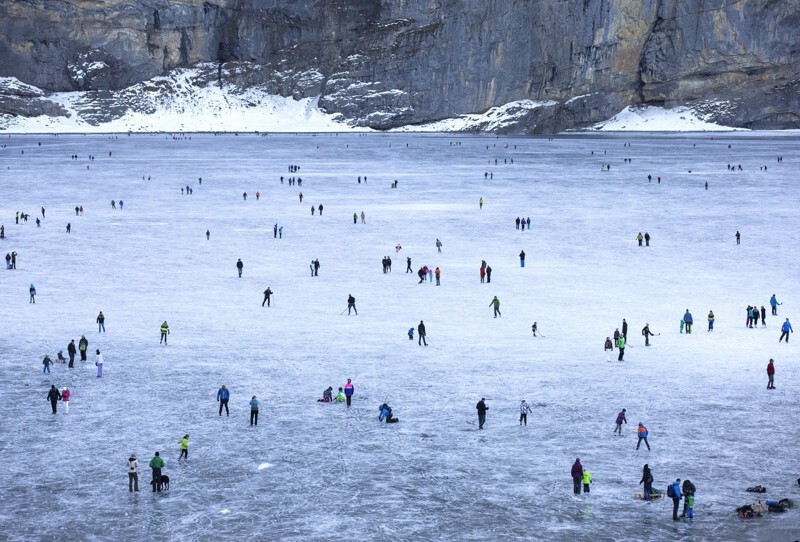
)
(493, 119)
(658, 119)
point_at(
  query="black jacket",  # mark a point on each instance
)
(54, 395)
(71, 348)
(421, 328)
(482, 408)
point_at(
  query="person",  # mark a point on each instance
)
(316, 267)
(620, 420)
(386, 414)
(625, 329)
(351, 304)
(483, 274)
(786, 328)
(528, 222)
(687, 320)
(327, 395)
(408, 265)
(688, 502)
(522, 258)
(711, 320)
(83, 346)
(608, 347)
(480, 203)
(523, 412)
(738, 237)
(772, 301)
(13, 259)
(65, 395)
(647, 480)
(223, 395)
(267, 295)
(482, 408)
(642, 434)
(99, 363)
(496, 304)
(577, 476)
(771, 375)
(69, 227)
(437, 273)
(688, 489)
(587, 479)
(239, 267)
(421, 333)
(164, 332)
(534, 328)
(640, 238)
(488, 274)
(438, 246)
(340, 398)
(184, 442)
(47, 362)
(516, 223)
(275, 231)
(244, 195)
(411, 334)
(363, 218)
(71, 350)
(254, 411)
(621, 347)
(320, 209)
(617, 335)
(674, 492)
(349, 389)
(54, 396)
(763, 316)
(8, 260)
(312, 210)
(208, 235)
(133, 474)
(101, 322)
(156, 464)
(355, 218)
(646, 239)
(647, 334)
(32, 291)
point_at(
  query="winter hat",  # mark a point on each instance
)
(186, 435)
(133, 456)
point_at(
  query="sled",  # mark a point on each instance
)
(653, 496)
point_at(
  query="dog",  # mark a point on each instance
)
(164, 482)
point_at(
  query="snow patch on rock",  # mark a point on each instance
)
(657, 119)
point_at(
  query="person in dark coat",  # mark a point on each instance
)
(239, 267)
(83, 346)
(421, 332)
(267, 296)
(688, 489)
(647, 334)
(522, 258)
(482, 408)
(625, 329)
(577, 476)
(647, 480)
(71, 350)
(620, 420)
(54, 396)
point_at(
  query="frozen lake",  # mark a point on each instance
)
(338, 473)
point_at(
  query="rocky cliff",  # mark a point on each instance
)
(387, 63)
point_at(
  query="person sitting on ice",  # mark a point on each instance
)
(411, 334)
(327, 395)
(61, 358)
(340, 398)
(386, 414)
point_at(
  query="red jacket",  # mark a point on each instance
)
(65, 395)
(483, 271)
(770, 369)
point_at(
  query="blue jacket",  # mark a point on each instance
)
(676, 488)
(773, 301)
(787, 327)
(687, 317)
(385, 413)
(254, 404)
(223, 394)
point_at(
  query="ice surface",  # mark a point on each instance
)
(339, 473)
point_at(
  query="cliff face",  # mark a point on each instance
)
(385, 63)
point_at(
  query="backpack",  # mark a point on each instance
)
(671, 491)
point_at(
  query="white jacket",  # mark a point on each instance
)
(524, 408)
(133, 466)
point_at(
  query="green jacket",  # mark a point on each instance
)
(164, 328)
(184, 442)
(621, 342)
(587, 478)
(157, 463)
(495, 302)
(339, 397)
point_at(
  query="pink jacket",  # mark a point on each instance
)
(65, 396)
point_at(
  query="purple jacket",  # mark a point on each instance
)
(577, 470)
(621, 418)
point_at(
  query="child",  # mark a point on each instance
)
(682, 324)
(61, 358)
(690, 505)
(339, 396)
(327, 395)
(411, 334)
(587, 479)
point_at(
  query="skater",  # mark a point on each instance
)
(411, 334)
(349, 389)
(738, 238)
(14, 259)
(267, 296)
(355, 218)
(496, 304)
(483, 274)
(156, 464)
(647, 480)
(164, 332)
(647, 334)
(642, 434)
(408, 265)
(534, 328)
(363, 218)
(101, 322)
(639, 238)
(8, 260)
(254, 411)
(625, 329)
(488, 274)
(674, 492)
(523, 412)
(763, 316)
(239, 266)
(772, 300)
(646, 239)
(482, 408)
(320, 209)
(351, 304)
(577, 476)
(421, 333)
(54, 396)
(528, 222)
(83, 346)
(244, 195)
(480, 203)
(437, 273)
(133, 474)
(587, 479)
(386, 414)
(620, 420)
(275, 231)
(687, 320)
(316, 267)
(771, 375)
(711, 320)
(516, 222)
(608, 347)
(223, 395)
(46, 362)
(438, 246)
(617, 335)
(69, 227)
(71, 350)
(312, 210)
(32, 292)
(785, 330)
(99, 363)
(208, 235)
(522, 259)
(184, 442)
(621, 347)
